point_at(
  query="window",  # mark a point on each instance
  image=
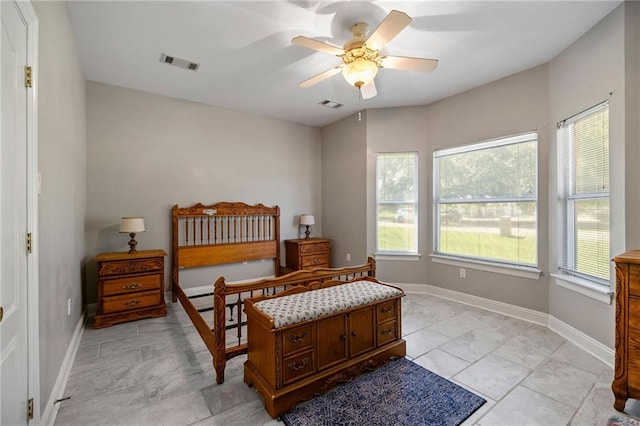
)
(397, 198)
(583, 177)
(485, 200)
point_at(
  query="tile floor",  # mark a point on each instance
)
(158, 372)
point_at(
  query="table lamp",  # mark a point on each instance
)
(131, 226)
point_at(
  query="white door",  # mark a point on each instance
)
(13, 219)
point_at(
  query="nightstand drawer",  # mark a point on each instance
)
(127, 302)
(129, 267)
(315, 261)
(131, 284)
(314, 248)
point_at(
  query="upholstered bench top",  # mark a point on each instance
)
(299, 307)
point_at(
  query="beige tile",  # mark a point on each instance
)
(441, 363)
(422, 341)
(471, 346)
(492, 376)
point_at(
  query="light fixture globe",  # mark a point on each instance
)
(360, 72)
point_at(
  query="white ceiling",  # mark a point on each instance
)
(248, 62)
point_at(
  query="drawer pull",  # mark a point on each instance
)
(131, 286)
(293, 366)
(384, 310)
(297, 339)
(132, 302)
(354, 334)
(343, 337)
(385, 332)
(315, 260)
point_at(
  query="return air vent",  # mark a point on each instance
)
(178, 62)
(330, 104)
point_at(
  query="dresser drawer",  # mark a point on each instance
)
(634, 313)
(133, 284)
(386, 311)
(315, 261)
(131, 267)
(298, 338)
(298, 366)
(634, 279)
(127, 302)
(314, 248)
(387, 332)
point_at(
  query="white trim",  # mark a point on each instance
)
(497, 268)
(584, 287)
(582, 340)
(575, 336)
(51, 409)
(405, 257)
(479, 302)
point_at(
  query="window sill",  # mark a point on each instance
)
(584, 287)
(516, 271)
(404, 257)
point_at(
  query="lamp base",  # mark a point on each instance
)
(132, 243)
(307, 232)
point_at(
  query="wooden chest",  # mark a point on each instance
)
(130, 286)
(308, 254)
(626, 381)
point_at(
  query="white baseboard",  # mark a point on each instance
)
(51, 409)
(575, 336)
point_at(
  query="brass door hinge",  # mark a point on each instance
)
(28, 79)
(29, 243)
(30, 409)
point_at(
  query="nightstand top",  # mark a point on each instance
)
(311, 240)
(140, 254)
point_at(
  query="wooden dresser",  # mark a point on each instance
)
(626, 380)
(130, 286)
(308, 254)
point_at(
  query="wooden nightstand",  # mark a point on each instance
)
(130, 287)
(308, 254)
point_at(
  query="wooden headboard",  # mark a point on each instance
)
(223, 233)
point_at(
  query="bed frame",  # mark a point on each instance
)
(233, 233)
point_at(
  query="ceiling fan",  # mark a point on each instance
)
(361, 55)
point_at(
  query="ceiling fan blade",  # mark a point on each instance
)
(322, 76)
(394, 22)
(317, 45)
(409, 64)
(368, 91)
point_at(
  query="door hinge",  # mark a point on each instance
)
(28, 80)
(30, 409)
(29, 243)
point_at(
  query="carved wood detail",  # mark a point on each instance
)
(127, 267)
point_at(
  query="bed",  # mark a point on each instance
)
(229, 233)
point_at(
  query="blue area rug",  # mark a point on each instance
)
(398, 393)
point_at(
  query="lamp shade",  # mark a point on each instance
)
(131, 224)
(307, 219)
(360, 72)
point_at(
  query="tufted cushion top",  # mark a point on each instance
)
(295, 308)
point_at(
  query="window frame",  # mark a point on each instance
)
(567, 197)
(527, 270)
(386, 254)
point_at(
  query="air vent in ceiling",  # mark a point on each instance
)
(330, 104)
(178, 62)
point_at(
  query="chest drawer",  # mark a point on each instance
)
(298, 366)
(315, 261)
(634, 280)
(314, 248)
(386, 311)
(298, 338)
(387, 332)
(127, 302)
(131, 284)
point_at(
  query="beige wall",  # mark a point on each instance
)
(148, 152)
(344, 209)
(62, 203)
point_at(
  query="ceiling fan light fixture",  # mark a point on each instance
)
(360, 72)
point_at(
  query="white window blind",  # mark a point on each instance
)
(485, 200)
(397, 199)
(583, 171)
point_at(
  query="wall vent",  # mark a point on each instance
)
(178, 62)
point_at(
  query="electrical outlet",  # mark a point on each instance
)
(68, 306)
(463, 273)
(348, 257)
